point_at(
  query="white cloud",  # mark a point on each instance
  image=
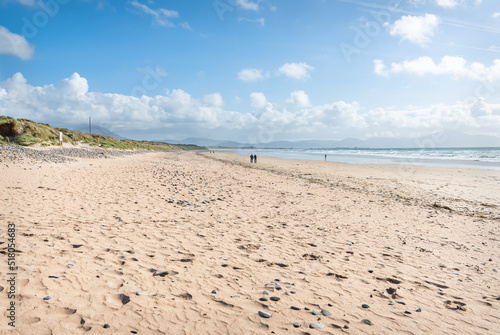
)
(447, 3)
(455, 67)
(251, 75)
(161, 16)
(260, 21)
(415, 29)
(258, 100)
(496, 15)
(214, 100)
(27, 2)
(185, 25)
(299, 99)
(14, 44)
(178, 114)
(248, 5)
(380, 68)
(298, 71)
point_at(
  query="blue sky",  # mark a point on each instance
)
(253, 70)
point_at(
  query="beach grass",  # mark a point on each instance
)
(27, 132)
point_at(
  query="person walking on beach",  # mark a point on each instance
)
(251, 158)
(255, 158)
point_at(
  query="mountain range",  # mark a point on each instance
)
(448, 139)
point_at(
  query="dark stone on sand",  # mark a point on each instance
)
(314, 312)
(400, 302)
(406, 312)
(106, 325)
(264, 299)
(264, 315)
(55, 277)
(265, 293)
(365, 306)
(370, 271)
(125, 299)
(419, 310)
(367, 322)
(346, 326)
(295, 308)
(47, 297)
(296, 324)
(161, 274)
(325, 312)
(214, 292)
(316, 325)
(275, 298)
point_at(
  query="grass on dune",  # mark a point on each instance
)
(26, 132)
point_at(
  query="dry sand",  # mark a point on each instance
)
(419, 245)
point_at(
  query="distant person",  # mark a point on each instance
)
(255, 158)
(325, 157)
(251, 158)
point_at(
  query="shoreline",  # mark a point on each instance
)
(340, 156)
(182, 242)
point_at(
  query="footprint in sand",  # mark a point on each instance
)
(116, 300)
(115, 283)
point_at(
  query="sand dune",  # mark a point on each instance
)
(187, 243)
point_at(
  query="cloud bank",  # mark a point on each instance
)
(453, 66)
(177, 114)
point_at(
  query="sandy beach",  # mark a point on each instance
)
(208, 243)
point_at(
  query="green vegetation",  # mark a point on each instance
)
(26, 132)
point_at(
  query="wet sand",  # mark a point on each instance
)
(187, 243)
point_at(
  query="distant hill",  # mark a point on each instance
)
(447, 139)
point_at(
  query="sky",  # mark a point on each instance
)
(254, 70)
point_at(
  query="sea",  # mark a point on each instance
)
(478, 158)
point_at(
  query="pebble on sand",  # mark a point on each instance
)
(161, 274)
(47, 297)
(365, 306)
(316, 325)
(264, 315)
(367, 322)
(326, 312)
